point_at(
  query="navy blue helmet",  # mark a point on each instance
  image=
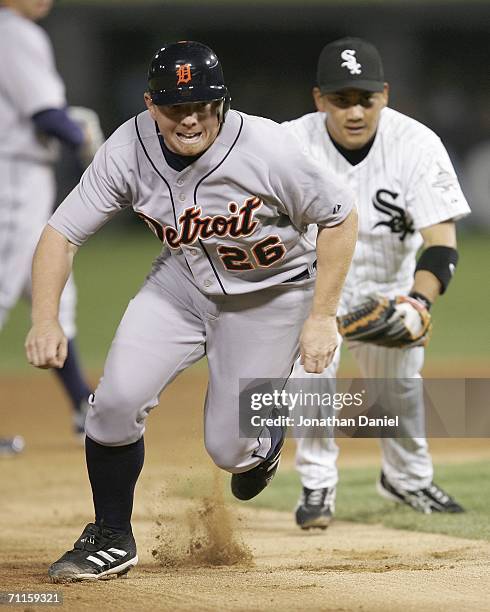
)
(186, 71)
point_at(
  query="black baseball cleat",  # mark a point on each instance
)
(315, 508)
(427, 500)
(247, 485)
(10, 447)
(99, 553)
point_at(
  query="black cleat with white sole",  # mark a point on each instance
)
(247, 485)
(99, 553)
(315, 508)
(427, 500)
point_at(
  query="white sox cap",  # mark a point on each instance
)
(350, 62)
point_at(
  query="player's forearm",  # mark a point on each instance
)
(56, 122)
(426, 283)
(335, 248)
(51, 268)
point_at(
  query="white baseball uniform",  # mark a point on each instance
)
(29, 84)
(404, 184)
(234, 225)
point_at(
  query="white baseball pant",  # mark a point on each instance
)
(405, 461)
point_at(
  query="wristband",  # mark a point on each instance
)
(421, 298)
(441, 261)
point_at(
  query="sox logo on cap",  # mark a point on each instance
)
(351, 63)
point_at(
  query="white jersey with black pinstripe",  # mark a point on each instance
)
(404, 184)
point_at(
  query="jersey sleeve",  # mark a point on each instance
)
(434, 194)
(101, 193)
(30, 75)
(311, 193)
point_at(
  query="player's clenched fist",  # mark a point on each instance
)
(318, 343)
(46, 345)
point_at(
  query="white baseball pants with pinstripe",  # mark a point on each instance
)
(405, 461)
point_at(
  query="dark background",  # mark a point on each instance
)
(436, 58)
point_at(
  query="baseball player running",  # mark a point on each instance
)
(33, 120)
(231, 197)
(408, 197)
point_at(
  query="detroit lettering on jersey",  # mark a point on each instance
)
(238, 217)
(194, 226)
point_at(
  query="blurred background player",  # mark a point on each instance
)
(34, 120)
(408, 197)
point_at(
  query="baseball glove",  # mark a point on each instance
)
(400, 322)
(88, 120)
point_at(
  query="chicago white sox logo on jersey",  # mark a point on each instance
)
(351, 63)
(399, 222)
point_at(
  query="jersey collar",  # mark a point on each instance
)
(330, 144)
(226, 139)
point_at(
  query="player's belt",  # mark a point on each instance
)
(301, 276)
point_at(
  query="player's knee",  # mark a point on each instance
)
(115, 418)
(122, 400)
(235, 459)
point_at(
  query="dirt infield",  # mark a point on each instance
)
(204, 553)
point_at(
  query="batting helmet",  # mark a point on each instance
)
(184, 72)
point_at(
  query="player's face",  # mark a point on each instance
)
(352, 114)
(32, 9)
(187, 129)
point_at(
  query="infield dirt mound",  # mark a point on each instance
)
(200, 532)
(228, 557)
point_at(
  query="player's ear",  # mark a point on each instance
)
(149, 105)
(386, 93)
(219, 107)
(318, 99)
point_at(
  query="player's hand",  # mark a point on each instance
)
(318, 343)
(46, 345)
(412, 311)
(400, 322)
(88, 121)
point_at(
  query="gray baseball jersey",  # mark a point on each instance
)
(29, 83)
(405, 183)
(235, 227)
(237, 217)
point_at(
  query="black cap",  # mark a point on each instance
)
(350, 62)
